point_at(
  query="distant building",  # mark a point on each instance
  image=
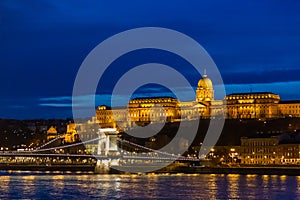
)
(145, 110)
(205, 90)
(51, 133)
(289, 108)
(71, 134)
(283, 149)
(89, 131)
(157, 109)
(259, 150)
(254, 105)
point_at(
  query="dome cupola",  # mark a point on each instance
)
(205, 90)
(205, 82)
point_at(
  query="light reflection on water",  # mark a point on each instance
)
(30, 185)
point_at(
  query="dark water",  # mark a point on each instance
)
(31, 185)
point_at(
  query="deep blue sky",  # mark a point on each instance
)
(43, 43)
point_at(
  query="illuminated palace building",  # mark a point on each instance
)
(254, 105)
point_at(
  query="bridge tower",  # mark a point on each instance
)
(107, 144)
(107, 147)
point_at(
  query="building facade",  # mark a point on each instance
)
(71, 135)
(269, 150)
(145, 110)
(289, 108)
(254, 105)
(259, 150)
(51, 133)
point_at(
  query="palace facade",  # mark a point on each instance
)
(254, 105)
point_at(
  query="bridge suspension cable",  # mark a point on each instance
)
(173, 156)
(179, 157)
(51, 141)
(149, 149)
(67, 146)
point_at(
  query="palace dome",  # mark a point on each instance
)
(205, 83)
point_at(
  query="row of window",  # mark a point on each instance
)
(259, 143)
(153, 101)
(258, 150)
(253, 96)
(259, 157)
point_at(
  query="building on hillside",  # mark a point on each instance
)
(157, 109)
(146, 110)
(51, 133)
(87, 132)
(71, 134)
(253, 105)
(205, 90)
(105, 116)
(289, 108)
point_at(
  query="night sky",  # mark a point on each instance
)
(255, 44)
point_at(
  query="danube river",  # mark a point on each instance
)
(30, 185)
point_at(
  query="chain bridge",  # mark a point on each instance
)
(109, 154)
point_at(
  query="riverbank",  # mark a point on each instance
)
(72, 168)
(293, 171)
